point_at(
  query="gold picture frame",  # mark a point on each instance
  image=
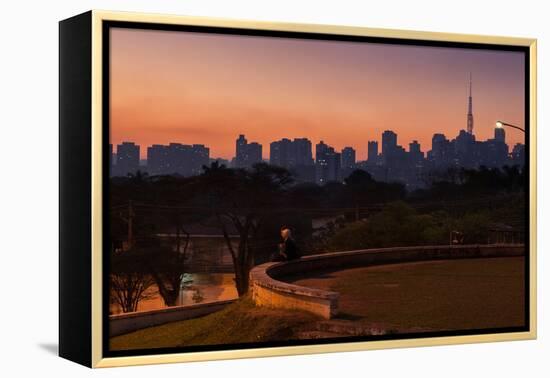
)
(86, 33)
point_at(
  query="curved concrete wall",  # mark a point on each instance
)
(270, 292)
(125, 323)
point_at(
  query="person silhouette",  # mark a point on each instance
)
(287, 248)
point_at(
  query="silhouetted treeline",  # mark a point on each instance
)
(461, 182)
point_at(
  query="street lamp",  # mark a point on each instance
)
(501, 124)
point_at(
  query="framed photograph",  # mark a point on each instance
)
(235, 189)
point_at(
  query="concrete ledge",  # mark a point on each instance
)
(268, 291)
(129, 322)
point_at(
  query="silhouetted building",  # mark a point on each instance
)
(201, 158)
(127, 158)
(394, 157)
(500, 134)
(348, 158)
(518, 155)
(389, 144)
(254, 154)
(321, 163)
(415, 154)
(327, 164)
(241, 153)
(294, 155)
(157, 160)
(301, 154)
(177, 158)
(441, 154)
(348, 162)
(372, 155)
(247, 154)
(497, 150)
(279, 153)
(464, 150)
(291, 153)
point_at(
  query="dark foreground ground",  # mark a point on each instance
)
(428, 296)
(240, 322)
(401, 298)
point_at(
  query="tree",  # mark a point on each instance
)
(167, 266)
(129, 279)
(396, 225)
(363, 190)
(241, 199)
(359, 178)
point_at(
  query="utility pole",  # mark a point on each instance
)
(130, 225)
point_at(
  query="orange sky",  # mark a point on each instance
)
(207, 88)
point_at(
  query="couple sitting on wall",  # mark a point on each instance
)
(287, 249)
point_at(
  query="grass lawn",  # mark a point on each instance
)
(433, 295)
(240, 322)
(400, 298)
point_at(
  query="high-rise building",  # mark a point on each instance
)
(500, 134)
(372, 152)
(347, 162)
(157, 160)
(497, 153)
(301, 152)
(441, 153)
(518, 155)
(177, 158)
(127, 158)
(464, 149)
(334, 166)
(240, 154)
(200, 158)
(294, 155)
(253, 154)
(439, 143)
(327, 164)
(291, 153)
(247, 154)
(415, 153)
(414, 147)
(389, 143)
(348, 158)
(497, 149)
(321, 163)
(279, 153)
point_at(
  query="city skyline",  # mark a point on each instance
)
(162, 90)
(267, 148)
(391, 163)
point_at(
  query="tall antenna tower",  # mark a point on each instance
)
(470, 126)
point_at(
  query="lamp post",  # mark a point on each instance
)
(501, 124)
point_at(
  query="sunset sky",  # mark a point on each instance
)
(184, 87)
